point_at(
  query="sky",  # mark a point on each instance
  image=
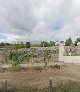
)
(39, 20)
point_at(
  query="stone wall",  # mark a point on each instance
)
(71, 59)
(74, 50)
(39, 53)
(69, 54)
(53, 52)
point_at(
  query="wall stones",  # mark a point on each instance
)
(53, 52)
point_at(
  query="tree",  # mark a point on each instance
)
(68, 42)
(52, 43)
(19, 45)
(22, 45)
(16, 45)
(78, 40)
(28, 45)
(44, 44)
(7, 44)
(2, 44)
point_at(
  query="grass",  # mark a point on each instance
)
(35, 45)
(68, 86)
(36, 77)
(15, 66)
(38, 68)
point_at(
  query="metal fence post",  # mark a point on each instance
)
(5, 86)
(50, 84)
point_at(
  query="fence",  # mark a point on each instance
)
(9, 86)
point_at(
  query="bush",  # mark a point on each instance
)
(15, 66)
(55, 66)
(13, 56)
(20, 56)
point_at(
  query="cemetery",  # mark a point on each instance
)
(58, 53)
(31, 69)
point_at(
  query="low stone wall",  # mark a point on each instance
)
(71, 59)
(53, 53)
(69, 54)
(56, 53)
(74, 50)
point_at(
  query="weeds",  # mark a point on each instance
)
(68, 86)
(38, 68)
(55, 66)
(15, 66)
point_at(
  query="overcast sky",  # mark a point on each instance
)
(39, 20)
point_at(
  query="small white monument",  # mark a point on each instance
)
(78, 44)
(69, 54)
(57, 43)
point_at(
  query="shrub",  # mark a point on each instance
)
(15, 66)
(13, 56)
(46, 57)
(57, 66)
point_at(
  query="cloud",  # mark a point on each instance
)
(39, 20)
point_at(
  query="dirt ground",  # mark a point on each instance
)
(41, 78)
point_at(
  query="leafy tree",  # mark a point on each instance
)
(2, 44)
(19, 45)
(78, 40)
(7, 44)
(22, 45)
(75, 43)
(68, 42)
(45, 44)
(16, 45)
(52, 43)
(28, 45)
